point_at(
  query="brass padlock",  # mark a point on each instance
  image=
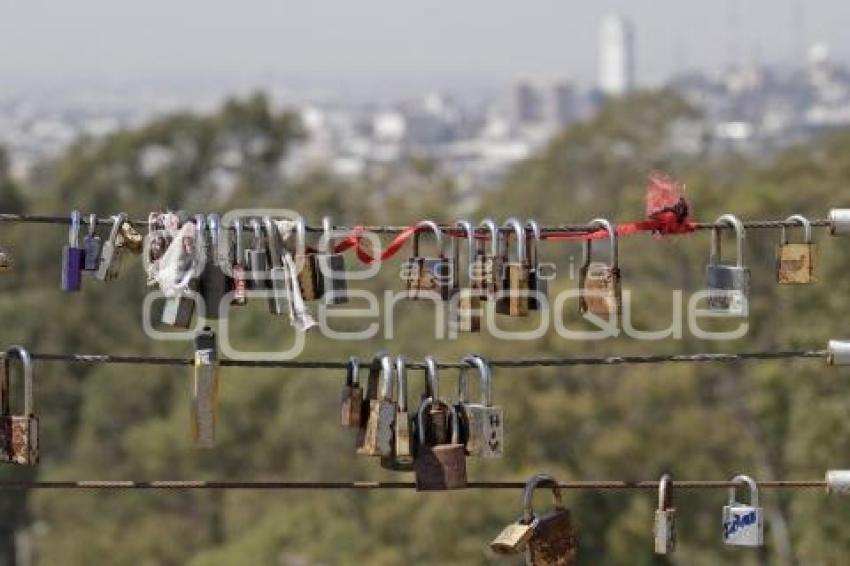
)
(402, 457)
(466, 305)
(553, 539)
(795, 263)
(352, 395)
(513, 298)
(486, 267)
(428, 277)
(439, 467)
(599, 284)
(131, 239)
(538, 283)
(331, 266)
(309, 274)
(664, 528)
(482, 423)
(378, 434)
(18, 433)
(727, 285)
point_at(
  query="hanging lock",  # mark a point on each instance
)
(278, 274)
(795, 263)
(538, 284)
(664, 528)
(743, 525)
(439, 467)
(179, 309)
(213, 282)
(309, 276)
(205, 390)
(466, 306)
(72, 257)
(482, 424)
(600, 284)
(92, 245)
(131, 239)
(487, 266)
(352, 395)
(111, 253)
(257, 260)
(18, 433)
(238, 274)
(428, 277)
(514, 296)
(727, 285)
(331, 267)
(377, 436)
(403, 452)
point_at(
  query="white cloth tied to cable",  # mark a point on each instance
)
(300, 316)
(181, 262)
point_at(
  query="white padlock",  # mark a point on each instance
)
(743, 525)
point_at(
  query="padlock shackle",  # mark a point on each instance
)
(665, 492)
(519, 233)
(401, 382)
(352, 371)
(271, 235)
(117, 221)
(300, 236)
(490, 225)
(528, 494)
(432, 378)
(740, 235)
(485, 384)
(259, 243)
(612, 238)
(533, 236)
(92, 224)
(327, 239)
(26, 361)
(236, 226)
(386, 393)
(214, 227)
(372, 384)
(438, 236)
(74, 230)
(751, 483)
(804, 222)
(467, 229)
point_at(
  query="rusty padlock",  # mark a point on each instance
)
(378, 433)
(513, 298)
(795, 263)
(402, 457)
(664, 528)
(600, 283)
(553, 541)
(439, 467)
(482, 423)
(309, 274)
(428, 277)
(18, 433)
(352, 395)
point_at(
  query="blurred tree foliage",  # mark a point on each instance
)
(771, 420)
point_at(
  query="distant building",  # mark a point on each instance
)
(543, 103)
(616, 56)
(526, 104)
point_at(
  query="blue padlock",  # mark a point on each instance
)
(72, 257)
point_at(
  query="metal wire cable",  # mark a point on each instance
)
(501, 363)
(749, 224)
(378, 485)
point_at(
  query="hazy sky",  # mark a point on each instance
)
(369, 41)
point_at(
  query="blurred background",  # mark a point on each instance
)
(387, 112)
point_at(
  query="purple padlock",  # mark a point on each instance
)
(72, 257)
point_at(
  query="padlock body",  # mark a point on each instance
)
(351, 406)
(279, 294)
(72, 268)
(204, 404)
(513, 538)
(333, 280)
(378, 435)
(19, 439)
(309, 277)
(484, 276)
(514, 297)
(601, 292)
(403, 453)
(728, 289)
(795, 264)
(426, 276)
(440, 467)
(664, 529)
(743, 525)
(467, 315)
(213, 288)
(110, 262)
(553, 542)
(485, 431)
(91, 252)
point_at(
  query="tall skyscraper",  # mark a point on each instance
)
(616, 56)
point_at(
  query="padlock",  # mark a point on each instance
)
(111, 253)
(309, 275)
(213, 281)
(257, 259)
(91, 246)
(373, 384)
(467, 305)
(439, 467)
(795, 263)
(839, 221)
(131, 239)
(437, 425)
(514, 296)
(331, 268)
(237, 267)
(403, 452)
(514, 538)
(6, 261)
(426, 276)
(727, 285)
(378, 436)
(664, 527)
(538, 284)
(352, 395)
(743, 525)
(553, 540)
(482, 424)
(205, 389)
(278, 275)
(486, 267)
(18, 433)
(600, 284)
(72, 257)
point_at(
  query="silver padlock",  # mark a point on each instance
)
(727, 285)
(665, 518)
(838, 482)
(484, 423)
(839, 221)
(743, 525)
(838, 353)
